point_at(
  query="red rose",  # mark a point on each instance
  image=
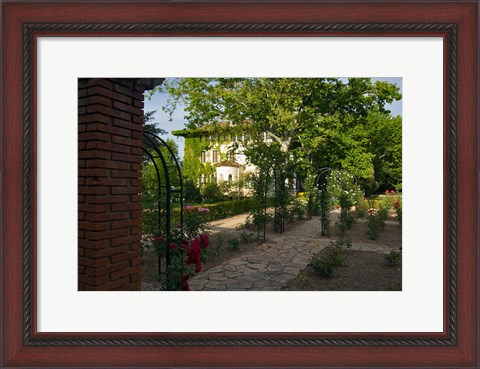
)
(204, 240)
(185, 285)
(194, 252)
(199, 267)
(172, 246)
(159, 239)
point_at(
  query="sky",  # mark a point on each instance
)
(159, 100)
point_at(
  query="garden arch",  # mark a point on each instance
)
(164, 226)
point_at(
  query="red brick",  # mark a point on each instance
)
(109, 217)
(82, 93)
(135, 231)
(97, 254)
(127, 206)
(106, 199)
(93, 245)
(135, 286)
(126, 190)
(93, 226)
(107, 269)
(137, 135)
(125, 272)
(128, 108)
(127, 157)
(110, 286)
(112, 112)
(92, 281)
(93, 190)
(129, 92)
(136, 261)
(92, 100)
(94, 118)
(107, 128)
(127, 141)
(90, 82)
(135, 198)
(106, 181)
(135, 166)
(110, 164)
(127, 124)
(94, 154)
(93, 263)
(125, 173)
(136, 214)
(81, 111)
(108, 147)
(94, 236)
(135, 182)
(138, 103)
(135, 277)
(81, 164)
(125, 223)
(97, 208)
(136, 151)
(126, 240)
(90, 172)
(97, 90)
(93, 136)
(138, 120)
(125, 256)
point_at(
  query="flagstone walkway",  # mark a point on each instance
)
(269, 266)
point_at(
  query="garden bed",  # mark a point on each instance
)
(363, 271)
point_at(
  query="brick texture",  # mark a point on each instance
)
(110, 126)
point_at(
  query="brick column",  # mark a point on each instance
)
(110, 128)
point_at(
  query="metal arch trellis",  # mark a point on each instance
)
(279, 178)
(321, 182)
(151, 140)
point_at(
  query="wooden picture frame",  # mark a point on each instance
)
(23, 346)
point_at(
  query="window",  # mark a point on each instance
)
(204, 157)
(230, 178)
(215, 156)
(231, 156)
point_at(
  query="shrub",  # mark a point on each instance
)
(234, 244)
(361, 209)
(212, 192)
(325, 262)
(393, 259)
(375, 223)
(228, 208)
(191, 192)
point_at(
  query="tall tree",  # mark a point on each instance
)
(328, 121)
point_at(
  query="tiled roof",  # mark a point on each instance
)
(228, 163)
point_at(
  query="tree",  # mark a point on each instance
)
(326, 121)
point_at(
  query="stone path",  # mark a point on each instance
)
(270, 265)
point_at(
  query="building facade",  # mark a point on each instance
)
(216, 155)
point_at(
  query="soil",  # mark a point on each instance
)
(363, 271)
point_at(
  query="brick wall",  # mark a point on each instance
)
(110, 128)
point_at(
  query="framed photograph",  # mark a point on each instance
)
(79, 81)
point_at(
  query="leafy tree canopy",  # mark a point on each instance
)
(327, 121)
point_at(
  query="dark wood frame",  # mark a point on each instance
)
(457, 346)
